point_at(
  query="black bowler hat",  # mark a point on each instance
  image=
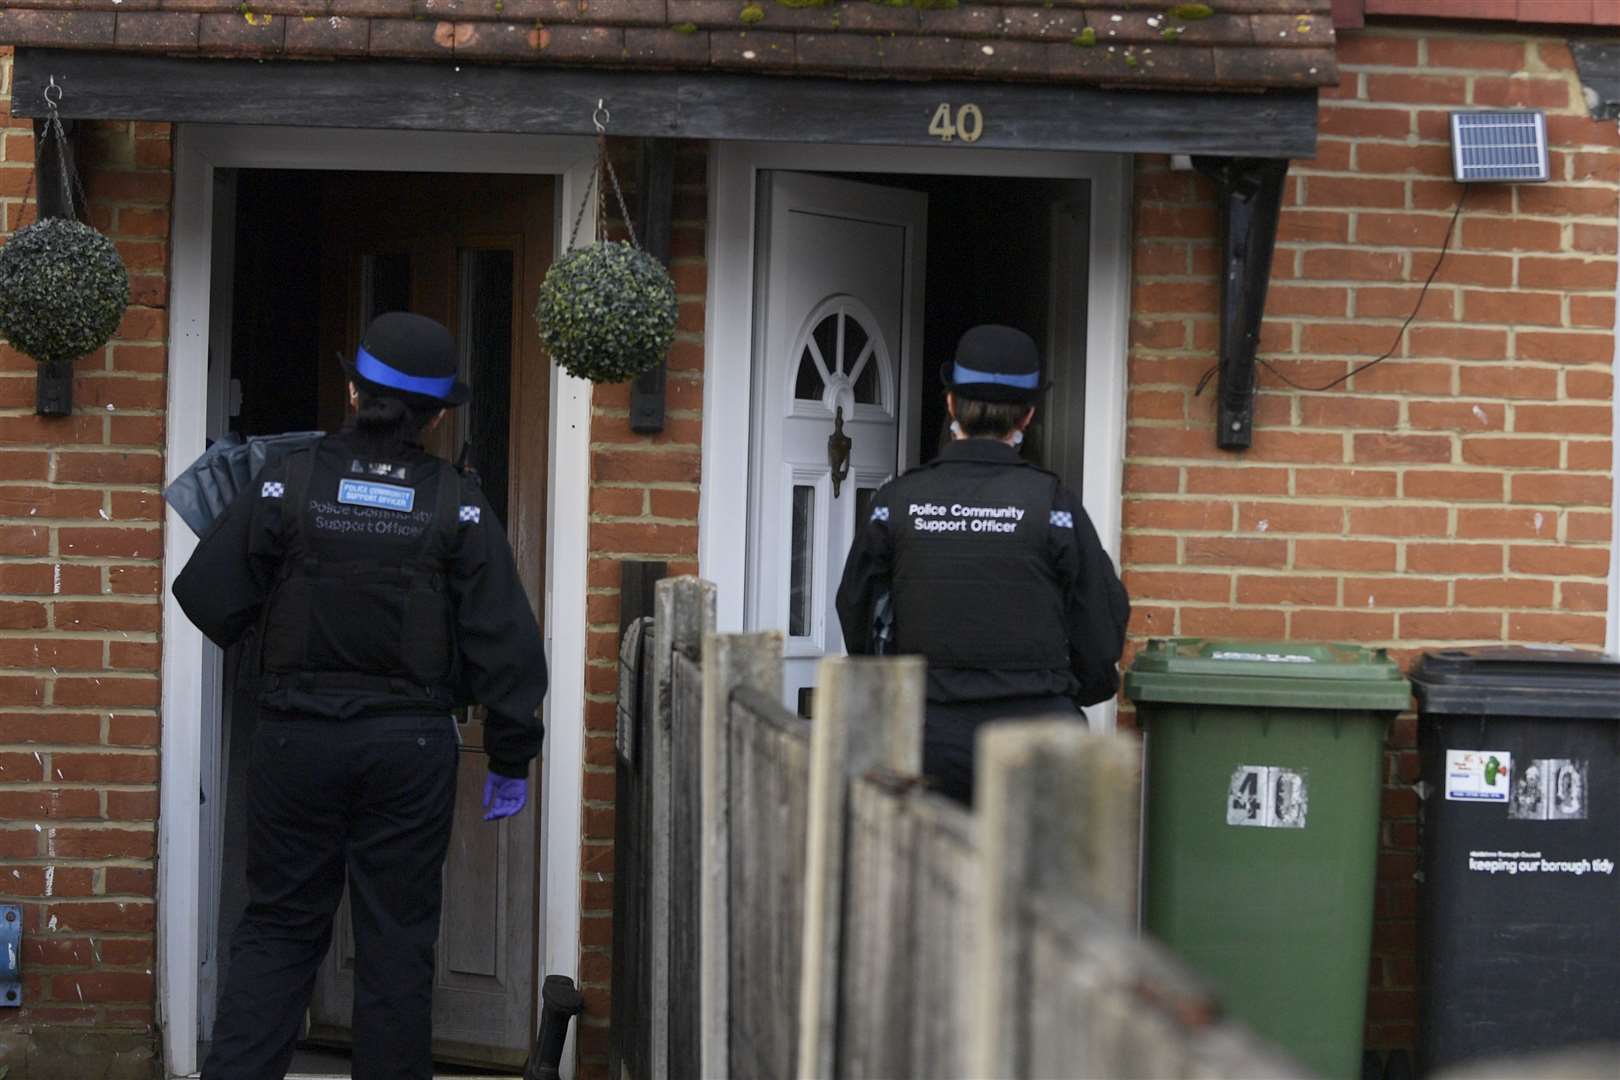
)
(995, 363)
(408, 356)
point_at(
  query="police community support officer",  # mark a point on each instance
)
(991, 568)
(385, 593)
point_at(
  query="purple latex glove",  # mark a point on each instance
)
(504, 796)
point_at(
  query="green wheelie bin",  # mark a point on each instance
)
(1263, 779)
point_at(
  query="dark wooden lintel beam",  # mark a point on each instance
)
(684, 105)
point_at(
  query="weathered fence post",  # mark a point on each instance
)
(868, 713)
(730, 661)
(686, 614)
(1052, 800)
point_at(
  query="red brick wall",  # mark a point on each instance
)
(80, 543)
(1457, 493)
(644, 506)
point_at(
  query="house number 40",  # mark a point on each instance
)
(968, 123)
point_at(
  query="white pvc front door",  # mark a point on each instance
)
(837, 353)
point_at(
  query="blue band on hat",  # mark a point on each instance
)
(380, 373)
(960, 374)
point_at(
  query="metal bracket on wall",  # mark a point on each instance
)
(656, 180)
(1249, 195)
(10, 956)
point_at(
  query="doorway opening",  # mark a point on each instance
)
(303, 259)
(1009, 250)
(863, 284)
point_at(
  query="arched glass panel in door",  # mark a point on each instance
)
(841, 353)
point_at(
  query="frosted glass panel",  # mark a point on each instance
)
(802, 567)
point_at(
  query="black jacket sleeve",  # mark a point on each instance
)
(503, 657)
(228, 578)
(867, 576)
(1096, 607)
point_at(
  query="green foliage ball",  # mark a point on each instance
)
(63, 290)
(607, 311)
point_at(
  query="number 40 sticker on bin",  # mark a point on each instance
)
(1268, 797)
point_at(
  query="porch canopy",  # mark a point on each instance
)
(1230, 78)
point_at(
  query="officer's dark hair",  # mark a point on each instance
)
(988, 419)
(385, 422)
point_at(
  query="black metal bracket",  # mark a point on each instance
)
(1249, 192)
(11, 957)
(656, 209)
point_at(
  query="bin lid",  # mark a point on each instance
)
(1548, 681)
(1285, 674)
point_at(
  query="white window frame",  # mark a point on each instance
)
(734, 169)
(199, 150)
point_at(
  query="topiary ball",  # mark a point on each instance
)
(607, 311)
(63, 290)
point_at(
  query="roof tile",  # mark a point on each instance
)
(872, 19)
(1020, 60)
(1094, 64)
(157, 30)
(1242, 44)
(282, 7)
(1272, 67)
(578, 43)
(496, 40)
(333, 35)
(751, 50)
(595, 12)
(917, 57)
(834, 53)
(242, 34)
(90, 5)
(408, 38)
(1292, 30)
(966, 20)
(1053, 24)
(83, 29)
(666, 48)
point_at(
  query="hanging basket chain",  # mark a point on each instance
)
(69, 173)
(579, 218)
(593, 188)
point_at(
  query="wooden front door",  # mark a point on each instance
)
(470, 252)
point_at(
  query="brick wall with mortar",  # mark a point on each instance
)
(644, 506)
(1457, 493)
(79, 646)
(80, 544)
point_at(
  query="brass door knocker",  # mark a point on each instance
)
(838, 447)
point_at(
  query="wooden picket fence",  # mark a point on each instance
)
(791, 902)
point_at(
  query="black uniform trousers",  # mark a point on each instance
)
(951, 729)
(372, 796)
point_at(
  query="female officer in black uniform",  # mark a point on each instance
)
(991, 567)
(385, 594)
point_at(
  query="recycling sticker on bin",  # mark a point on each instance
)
(1478, 775)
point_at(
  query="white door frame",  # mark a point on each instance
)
(199, 150)
(728, 349)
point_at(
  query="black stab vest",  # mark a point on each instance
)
(974, 585)
(362, 601)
